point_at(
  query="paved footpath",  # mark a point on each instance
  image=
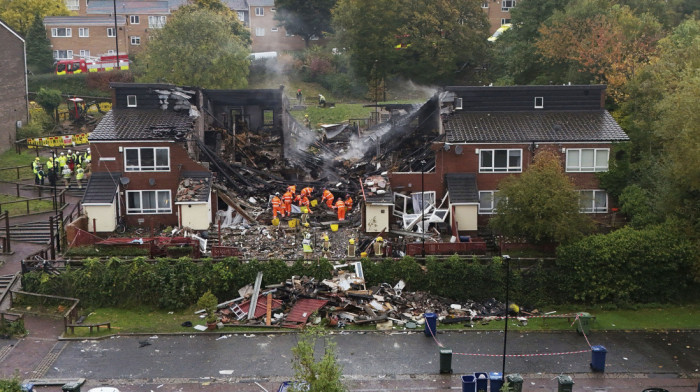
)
(372, 361)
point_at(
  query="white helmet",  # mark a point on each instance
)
(88, 150)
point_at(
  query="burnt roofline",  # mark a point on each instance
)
(530, 88)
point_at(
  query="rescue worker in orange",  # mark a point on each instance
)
(348, 202)
(277, 206)
(328, 198)
(307, 191)
(304, 202)
(340, 206)
(287, 199)
(292, 189)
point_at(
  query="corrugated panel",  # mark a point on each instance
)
(261, 307)
(303, 309)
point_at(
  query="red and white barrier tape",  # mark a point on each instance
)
(523, 355)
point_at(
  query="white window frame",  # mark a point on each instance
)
(131, 101)
(131, 210)
(140, 167)
(83, 32)
(259, 11)
(73, 5)
(492, 198)
(241, 16)
(111, 51)
(134, 19)
(274, 29)
(111, 32)
(156, 22)
(84, 53)
(578, 167)
(506, 5)
(508, 168)
(485, 4)
(505, 21)
(540, 104)
(591, 201)
(259, 31)
(69, 54)
(68, 32)
(135, 40)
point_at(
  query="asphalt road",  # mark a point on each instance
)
(252, 357)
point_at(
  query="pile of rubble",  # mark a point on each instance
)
(344, 300)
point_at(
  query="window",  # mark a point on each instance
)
(505, 21)
(259, 11)
(539, 102)
(62, 54)
(268, 117)
(73, 5)
(111, 51)
(83, 32)
(274, 29)
(587, 159)
(273, 9)
(134, 19)
(485, 4)
(594, 201)
(156, 22)
(135, 40)
(84, 53)
(241, 16)
(61, 32)
(506, 5)
(147, 158)
(148, 202)
(488, 201)
(131, 101)
(111, 32)
(259, 31)
(500, 161)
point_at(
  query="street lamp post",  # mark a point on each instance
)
(506, 259)
(422, 205)
(55, 178)
(116, 32)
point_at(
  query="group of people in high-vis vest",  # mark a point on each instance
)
(282, 204)
(63, 165)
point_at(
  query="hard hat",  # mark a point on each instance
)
(63, 153)
(36, 159)
(50, 158)
(380, 239)
(277, 193)
(69, 151)
(308, 236)
(306, 115)
(78, 165)
(88, 150)
(306, 224)
(352, 241)
(325, 237)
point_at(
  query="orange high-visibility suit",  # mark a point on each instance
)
(340, 205)
(297, 199)
(307, 191)
(277, 207)
(287, 198)
(305, 203)
(292, 189)
(328, 198)
(348, 203)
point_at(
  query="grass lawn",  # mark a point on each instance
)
(147, 320)
(21, 208)
(11, 159)
(342, 112)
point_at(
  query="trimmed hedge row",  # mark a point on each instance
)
(626, 266)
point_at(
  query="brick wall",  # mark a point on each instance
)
(140, 180)
(272, 41)
(494, 14)
(13, 86)
(98, 43)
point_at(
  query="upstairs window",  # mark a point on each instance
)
(506, 5)
(241, 16)
(500, 161)
(156, 22)
(148, 202)
(134, 19)
(111, 32)
(131, 101)
(83, 32)
(147, 159)
(259, 11)
(84, 53)
(259, 31)
(63, 54)
(539, 102)
(61, 32)
(587, 159)
(485, 4)
(73, 5)
(135, 40)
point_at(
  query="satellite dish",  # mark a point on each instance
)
(459, 150)
(151, 181)
(446, 147)
(124, 180)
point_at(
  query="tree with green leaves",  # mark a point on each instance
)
(39, 56)
(218, 7)
(197, 47)
(10, 385)
(20, 15)
(305, 18)
(541, 205)
(311, 375)
(49, 100)
(427, 41)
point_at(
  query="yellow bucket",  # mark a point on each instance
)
(363, 254)
(304, 210)
(334, 227)
(293, 223)
(314, 202)
(275, 222)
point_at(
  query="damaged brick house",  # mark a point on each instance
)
(147, 152)
(491, 133)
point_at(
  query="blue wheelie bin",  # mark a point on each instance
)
(598, 358)
(482, 382)
(496, 381)
(468, 384)
(430, 324)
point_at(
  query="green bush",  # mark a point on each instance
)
(66, 84)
